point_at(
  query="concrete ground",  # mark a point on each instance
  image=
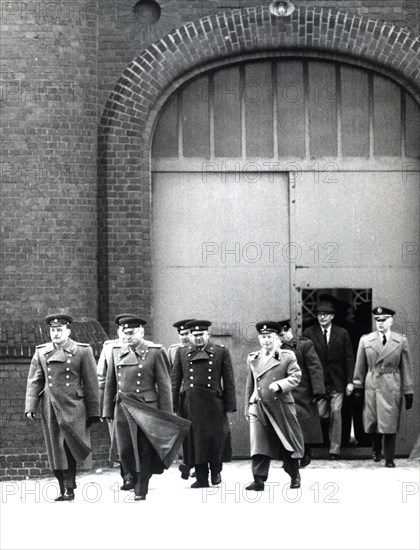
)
(350, 504)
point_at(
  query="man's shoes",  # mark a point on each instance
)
(334, 456)
(255, 486)
(376, 456)
(389, 464)
(60, 498)
(216, 479)
(192, 474)
(305, 461)
(139, 497)
(295, 483)
(68, 494)
(185, 471)
(199, 484)
(128, 484)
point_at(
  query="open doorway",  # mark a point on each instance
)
(353, 311)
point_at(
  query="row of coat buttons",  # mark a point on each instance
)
(67, 375)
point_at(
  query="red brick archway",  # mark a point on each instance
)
(129, 116)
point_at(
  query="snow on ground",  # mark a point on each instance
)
(345, 505)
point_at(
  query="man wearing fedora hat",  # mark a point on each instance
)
(333, 346)
(275, 433)
(62, 382)
(203, 388)
(384, 374)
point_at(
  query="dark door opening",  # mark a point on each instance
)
(354, 313)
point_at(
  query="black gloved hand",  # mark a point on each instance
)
(92, 420)
(408, 401)
(358, 393)
(319, 396)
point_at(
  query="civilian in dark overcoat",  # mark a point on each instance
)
(62, 382)
(203, 389)
(385, 373)
(136, 375)
(275, 433)
(333, 346)
(311, 387)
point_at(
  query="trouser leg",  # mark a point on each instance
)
(260, 467)
(389, 446)
(145, 451)
(69, 475)
(60, 478)
(202, 472)
(216, 468)
(335, 422)
(377, 443)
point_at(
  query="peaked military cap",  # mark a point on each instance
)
(131, 321)
(383, 312)
(58, 319)
(182, 325)
(264, 327)
(285, 325)
(325, 307)
(120, 316)
(196, 324)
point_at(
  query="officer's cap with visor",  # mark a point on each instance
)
(267, 327)
(130, 321)
(285, 325)
(58, 320)
(182, 325)
(197, 325)
(380, 311)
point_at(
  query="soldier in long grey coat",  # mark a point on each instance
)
(62, 381)
(385, 373)
(310, 390)
(137, 380)
(270, 409)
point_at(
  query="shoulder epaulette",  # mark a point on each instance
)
(253, 353)
(153, 345)
(287, 351)
(83, 345)
(41, 345)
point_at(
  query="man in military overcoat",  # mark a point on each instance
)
(203, 388)
(275, 433)
(62, 381)
(311, 387)
(137, 380)
(385, 373)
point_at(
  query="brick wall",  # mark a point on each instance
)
(128, 119)
(22, 447)
(49, 148)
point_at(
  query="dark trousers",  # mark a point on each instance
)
(128, 463)
(389, 444)
(202, 470)
(67, 478)
(261, 466)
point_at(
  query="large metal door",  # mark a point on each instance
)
(221, 252)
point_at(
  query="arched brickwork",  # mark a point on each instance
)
(128, 119)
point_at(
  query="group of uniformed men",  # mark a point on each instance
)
(154, 400)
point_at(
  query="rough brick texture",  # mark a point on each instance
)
(127, 122)
(49, 150)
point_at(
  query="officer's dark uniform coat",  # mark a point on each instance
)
(208, 393)
(63, 382)
(386, 374)
(278, 408)
(311, 383)
(134, 376)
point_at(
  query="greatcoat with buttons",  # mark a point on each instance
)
(64, 384)
(134, 376)
(386, 374)
(203, 389)
(272, 414)
(311, 383)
